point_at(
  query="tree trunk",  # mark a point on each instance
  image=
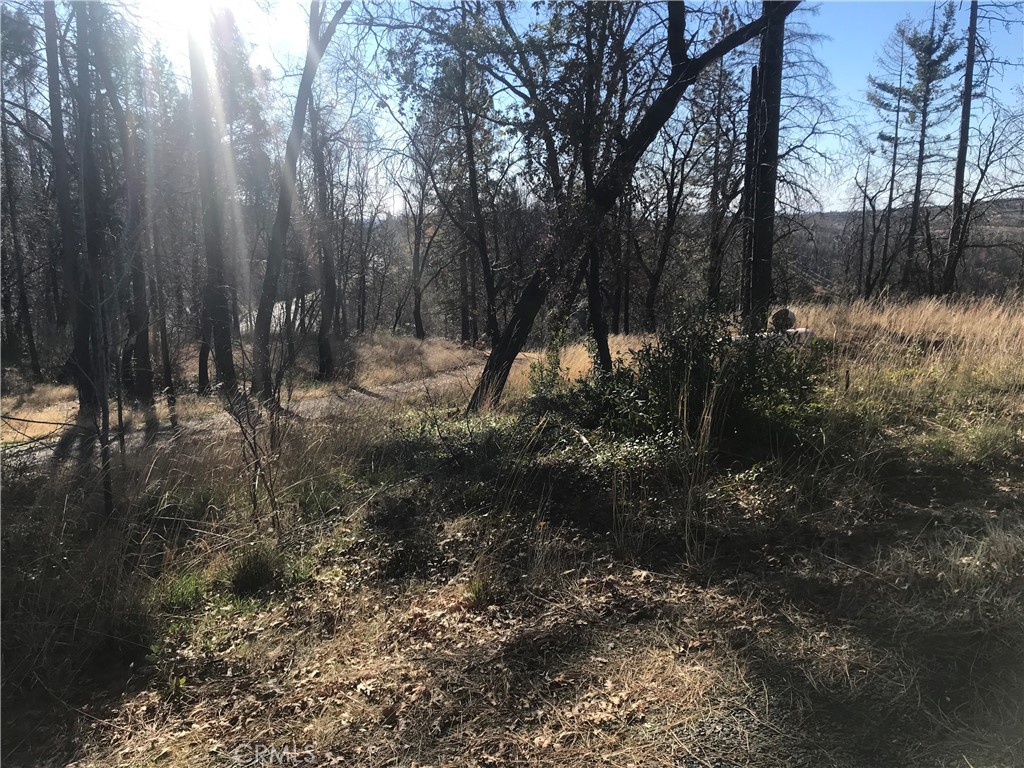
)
(80, 361)
(479, 228)
(685, 71)
(329, 283)
(747, 201)
(720, 200)
(155, 288)
(12, 336)
(417, 266)
(263, 381)
(957, 229)
(344, 257)
(872, 280)
(499, 362)
(205, 331)
(464, 294)
(138, 314)
(909, 266)
(625, 296)
(91, 312)
(598, 324)
(766, 172)
(24, 317)
(217, 305)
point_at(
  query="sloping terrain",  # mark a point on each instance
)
(519, 588)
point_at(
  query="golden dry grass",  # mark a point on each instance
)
(383, 359)
(577, 361)
(46, 409)
(952, 371)
(566, 656)
(518, 386)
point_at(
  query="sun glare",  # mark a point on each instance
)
(276, 32)
(170, 24)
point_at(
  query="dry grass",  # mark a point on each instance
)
(433, 614)
(577, 361)
(43, 410)
(383, 359)
(950, 372)
(47, 411)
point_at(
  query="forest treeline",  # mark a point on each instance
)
(488, 172)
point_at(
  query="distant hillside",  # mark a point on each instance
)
(824, 249)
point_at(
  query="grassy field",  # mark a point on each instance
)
(400, 584)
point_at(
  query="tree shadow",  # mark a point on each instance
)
(918, 667)
(83, 434)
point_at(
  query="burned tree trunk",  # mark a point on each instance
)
(765, 173)
(958, 227)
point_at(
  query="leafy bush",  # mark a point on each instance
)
(546, 375)
(701, 382)
(257, 570)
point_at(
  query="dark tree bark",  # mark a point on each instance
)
(464, 295)
(417, 272)
(958, 226)
(344, 255)
(673, 181)
(595, 315)
(479, 222)
(872, 279)
(627, 273)
(499, 362)
(80, 361)
(24, 318)
(328, 279)
(910, 265)
(155, 288)
(263, 381)
(216, 321)
(138, 314)
(747, 201)
(765, 175)
(90, 314)
(724, 189)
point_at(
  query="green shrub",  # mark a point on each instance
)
(545, 377)
(480, 591)
(700, 382)
(181, 593)
(257, 570)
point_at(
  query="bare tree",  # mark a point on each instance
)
(217, 303)
(767, 104)
(319, 38)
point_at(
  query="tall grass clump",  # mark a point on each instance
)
(383, 359)
(70, 591)
(80, 590)
(257, 569)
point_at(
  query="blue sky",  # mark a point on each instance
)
(858, 29)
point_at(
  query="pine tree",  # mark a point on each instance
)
(925, 100)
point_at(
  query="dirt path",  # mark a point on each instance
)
(343, 398)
